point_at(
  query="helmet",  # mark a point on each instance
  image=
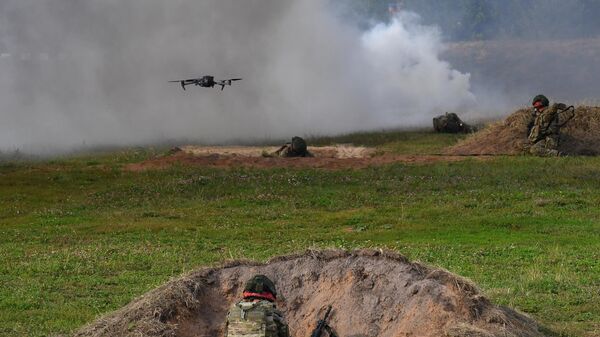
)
(260, 284)
(542, 99)
(298, 145)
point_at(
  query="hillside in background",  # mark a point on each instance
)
(562, 69)
(464, 20)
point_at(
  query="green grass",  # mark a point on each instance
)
(80, 236)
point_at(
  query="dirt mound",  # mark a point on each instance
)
(326, 157)
(337, 151)
(373, 293)
(579, 137)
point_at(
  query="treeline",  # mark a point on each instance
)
(491, 19)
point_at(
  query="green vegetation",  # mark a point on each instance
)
(82, 236)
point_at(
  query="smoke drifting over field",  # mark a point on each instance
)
(96, 72)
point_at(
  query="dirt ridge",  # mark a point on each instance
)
(580, 136)
(373, 293)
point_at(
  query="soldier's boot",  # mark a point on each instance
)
(552, 146)
(537, 149)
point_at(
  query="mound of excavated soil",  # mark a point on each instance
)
(373, 293)
(326, 157)
(337, 151)
(579, 137)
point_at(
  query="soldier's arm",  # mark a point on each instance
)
(560, 106)
(565, 115)
(282, 327)
(283, 147)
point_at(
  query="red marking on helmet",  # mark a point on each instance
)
(264, 295)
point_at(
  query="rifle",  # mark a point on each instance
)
(323, 326)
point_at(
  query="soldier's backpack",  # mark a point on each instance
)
(251, 319)
(450, 123)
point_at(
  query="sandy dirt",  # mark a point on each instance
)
(328, 157)
(372, 292)
(338, 151)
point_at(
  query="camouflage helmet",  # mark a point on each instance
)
(298, 145)
(260, 284)
(542, 99)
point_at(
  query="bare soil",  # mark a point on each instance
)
(327, 157)
(338, 151)
(373, 293)
(509, 137)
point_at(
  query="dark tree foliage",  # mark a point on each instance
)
(490, 19)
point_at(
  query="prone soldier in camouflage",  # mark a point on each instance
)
(256, 315)
(297, 148)
(545, 124)
(451, 123)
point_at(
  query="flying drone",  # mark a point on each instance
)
(206, 82)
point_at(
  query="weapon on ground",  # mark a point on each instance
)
(323, 326)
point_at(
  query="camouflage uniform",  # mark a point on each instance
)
(297, 148)
(286, 151)
(450, 123)
(255, 318)
(544, 135)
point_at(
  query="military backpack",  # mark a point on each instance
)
(251, 319)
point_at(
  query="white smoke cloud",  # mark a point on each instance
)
(105, 66)
(413, 82)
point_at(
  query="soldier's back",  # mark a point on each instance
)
(252, 319)
(450, 123)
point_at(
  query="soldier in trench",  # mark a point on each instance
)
(256, 314)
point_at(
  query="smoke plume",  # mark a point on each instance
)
(96, 72)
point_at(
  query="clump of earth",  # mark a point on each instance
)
(372, 292)
(580, 136)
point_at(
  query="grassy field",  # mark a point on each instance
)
(80, 236)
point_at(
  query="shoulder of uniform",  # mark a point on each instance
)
(558, 106)
(277, 313)
(235, 304)
(268, 304)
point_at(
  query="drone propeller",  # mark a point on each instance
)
(228, 82)
(182, 82)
